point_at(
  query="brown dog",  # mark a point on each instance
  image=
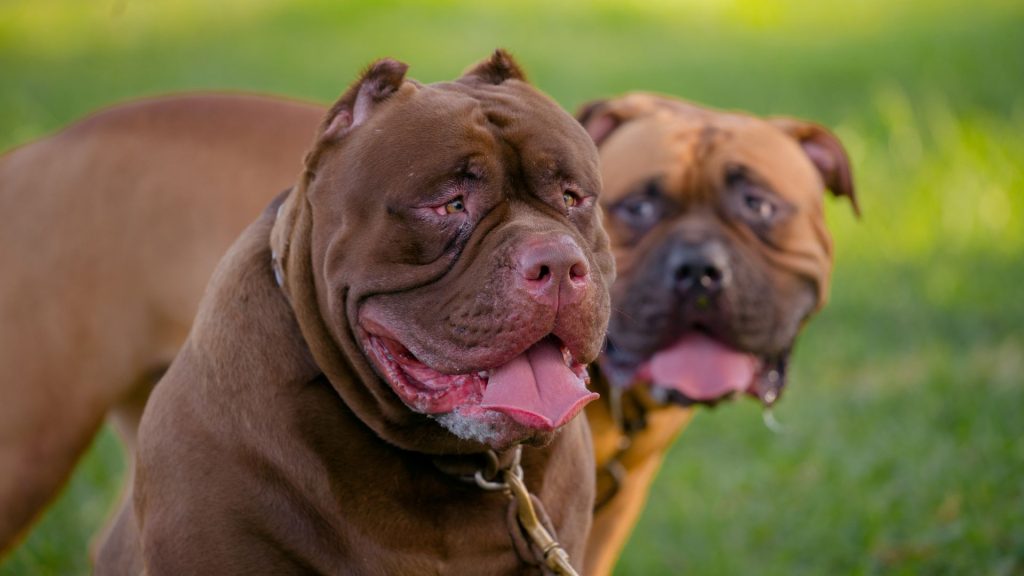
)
(204, 164)
(442, 280)
(122, 218)
(718, 231)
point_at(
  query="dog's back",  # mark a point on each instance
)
(107, 246)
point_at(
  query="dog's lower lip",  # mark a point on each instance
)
(401, 356)
(409, 374)
(666, 395)
(511, 389)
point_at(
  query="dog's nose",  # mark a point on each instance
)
(553, 265)
(699, 268)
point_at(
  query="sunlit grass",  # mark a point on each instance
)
(900, 452)
(952, 181)
(60, 541)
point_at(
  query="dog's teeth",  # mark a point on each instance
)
(482, 374)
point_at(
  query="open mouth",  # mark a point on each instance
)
(699, 369)
(542, 387)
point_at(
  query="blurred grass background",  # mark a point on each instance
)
(903, 443)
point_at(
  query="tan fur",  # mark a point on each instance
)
(686, 148)
(640, 459)
(117, 223)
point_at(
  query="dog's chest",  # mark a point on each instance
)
(392, 512)
(420, 521)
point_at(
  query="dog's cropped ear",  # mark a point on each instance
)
(598, 119)
(501, 66)
(827, 154)
(380, 80)
(601, 118)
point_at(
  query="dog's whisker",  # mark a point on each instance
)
(623, 312)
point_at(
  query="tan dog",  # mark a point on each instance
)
(206, 164)
(441, 281)
(122, 218)
(719, 237)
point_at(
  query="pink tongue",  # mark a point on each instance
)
(702, 369)
(537, 389)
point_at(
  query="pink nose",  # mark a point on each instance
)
(553, 267)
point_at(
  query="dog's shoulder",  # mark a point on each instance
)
(208, 424)
(244, 320)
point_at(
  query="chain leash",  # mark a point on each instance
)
(512, 485)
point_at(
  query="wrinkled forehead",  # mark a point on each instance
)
(513, 104)
(652, 147)
(534, 126)
(440, 122)
(685, 145)
(420, 128)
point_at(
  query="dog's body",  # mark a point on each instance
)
(158, 151)
(297, 447)
(628, 457)
(717, 225)
(268, 471)
(121, 219)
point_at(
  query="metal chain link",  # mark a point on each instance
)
(556, 558)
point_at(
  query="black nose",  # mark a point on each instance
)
(699, 268)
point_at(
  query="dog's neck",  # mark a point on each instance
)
(622, 437)
(488, 464)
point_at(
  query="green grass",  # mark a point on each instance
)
(901, 449)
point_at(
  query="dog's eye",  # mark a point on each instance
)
(452, 207)
(639, 211)
(457, 205)
(752, 198)
(570, 199)
(645, 207)
(759, 206)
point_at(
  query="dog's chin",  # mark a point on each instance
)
(491, 428)
(700, 370)
(523, 399)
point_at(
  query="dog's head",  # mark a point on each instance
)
(717, 227)
(445, 244)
